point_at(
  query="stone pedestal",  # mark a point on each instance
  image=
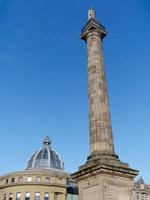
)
(105, 177)
(106, 187)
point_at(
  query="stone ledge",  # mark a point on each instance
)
(105, 164)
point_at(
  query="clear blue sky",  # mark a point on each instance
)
(43, 79)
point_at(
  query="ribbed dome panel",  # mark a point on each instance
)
(45, 158)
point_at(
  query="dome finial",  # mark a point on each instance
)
(91, 13)
(47, 141)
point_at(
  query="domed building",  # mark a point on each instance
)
(141, 190)
(44, 178)
(45, 158)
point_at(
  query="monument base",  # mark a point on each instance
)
(105, 177)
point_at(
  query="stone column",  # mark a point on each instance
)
(103, 176)
(101, 140)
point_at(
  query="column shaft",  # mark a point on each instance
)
(101, 139)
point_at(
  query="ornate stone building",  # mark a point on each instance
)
(141, 190)
(43, 179)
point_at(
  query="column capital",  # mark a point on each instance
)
(92, 27)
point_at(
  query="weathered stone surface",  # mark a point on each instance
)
(106, 187)
(141, 190)
(103, 176)
(101, 139)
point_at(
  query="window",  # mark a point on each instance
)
(11, 196)
(27, 197)
(18, 196)
(12, 180)
(38, 179)
(20, 179)
(37, 196)
(7, 180)
(46, 196)
(29, 179)
(47, 179)
(5, 196)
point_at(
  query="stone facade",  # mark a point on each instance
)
(45, 182)
(106, 187)
(141, 190)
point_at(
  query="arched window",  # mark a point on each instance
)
(18, 196)
(37, 196)
(46, 196)
(5, 196)
(27, 197)
(11, 195)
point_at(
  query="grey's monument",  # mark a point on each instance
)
(103, 176)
